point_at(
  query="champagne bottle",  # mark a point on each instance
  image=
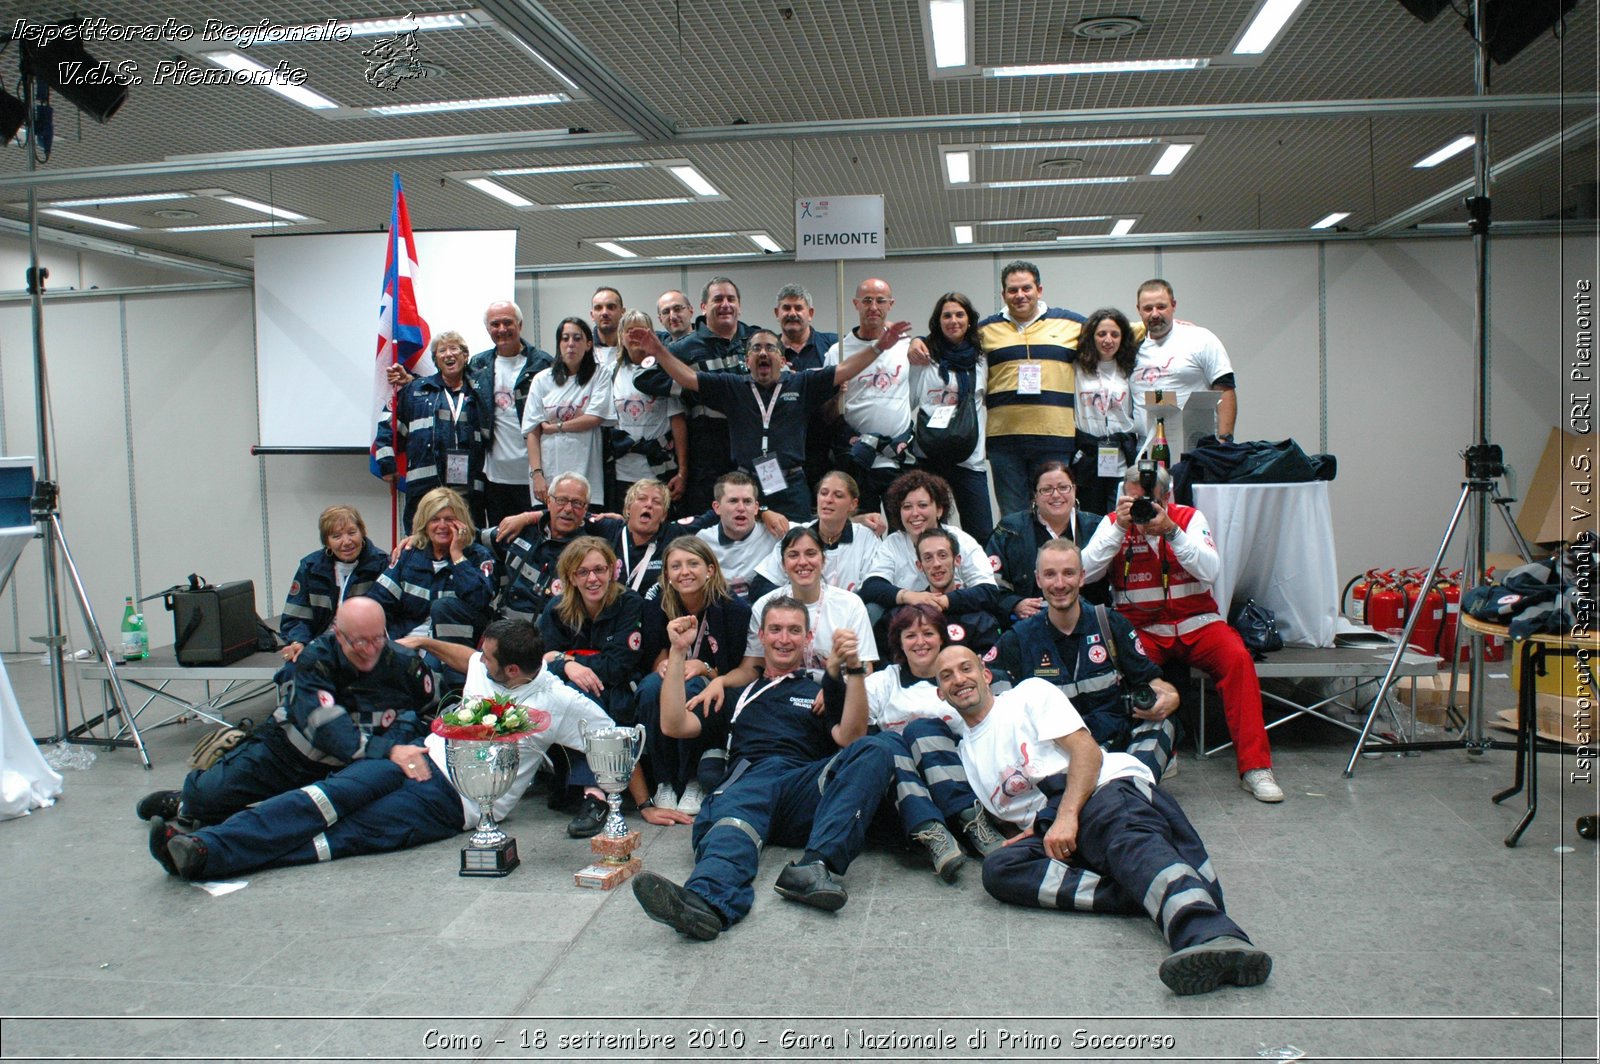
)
(1160, 453)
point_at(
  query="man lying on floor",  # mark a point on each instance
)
(375, 805)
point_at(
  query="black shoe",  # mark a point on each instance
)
(811, 884)
(188, 855)
(591, 818)
(1201, 969)
(678, 907)
(160, 834)
(163, 804)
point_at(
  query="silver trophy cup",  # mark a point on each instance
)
(612, 753)
(483, 770)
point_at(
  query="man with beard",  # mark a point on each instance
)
(805, 348)
(768, 410)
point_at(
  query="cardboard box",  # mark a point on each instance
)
(1544, 518)
(1433, 695)
(1561, 676)
(1560, 720)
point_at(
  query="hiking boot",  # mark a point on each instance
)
(942, 848)
(160, 833)
(1201, 969)
(811, 884)
(188, 855)
(163, 804)
(980, 830)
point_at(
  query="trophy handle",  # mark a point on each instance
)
(583, 731)
(639, 735)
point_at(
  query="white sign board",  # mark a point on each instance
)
(839, 227)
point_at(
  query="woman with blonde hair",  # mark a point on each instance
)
(651, 438)
(442, 584)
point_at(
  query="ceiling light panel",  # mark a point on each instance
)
(1107, 66)
(262, 77)
(1330, 220)
(86, 219)
(1266, 26)
(1449, 151)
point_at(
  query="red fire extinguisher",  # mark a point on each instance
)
(1384, 610)
(1425, 634)
(1450, 588)
(1356, 592)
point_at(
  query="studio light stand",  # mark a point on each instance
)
(1484, 461)
(46, 512)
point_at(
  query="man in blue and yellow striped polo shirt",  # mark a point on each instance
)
(1030, 347)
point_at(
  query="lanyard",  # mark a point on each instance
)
(752, 693)
(766, 410)
(455, 403)
(1161, 549)
(636, 573)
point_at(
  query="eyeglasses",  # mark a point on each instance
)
(359, 644)
(1067, 489)
(599, 570)
(562, 502)
(675, 308)
(764, 347)
(875, 301)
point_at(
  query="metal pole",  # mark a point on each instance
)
(1479, 212)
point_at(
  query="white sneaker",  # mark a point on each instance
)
(1262, 785)
(692, 798)
(665, 797)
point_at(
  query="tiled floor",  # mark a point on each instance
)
(1400, 927)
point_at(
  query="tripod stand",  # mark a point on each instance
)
(1484, 469)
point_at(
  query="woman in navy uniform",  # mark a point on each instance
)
(441, 425)
(346, 567)
(443, 582)
(1017, 539)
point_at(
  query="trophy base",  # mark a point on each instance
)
(604, 876)
(615, 850)
(490, 860)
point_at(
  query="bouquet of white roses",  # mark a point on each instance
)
(490, 718)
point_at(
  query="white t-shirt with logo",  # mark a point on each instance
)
(644, 417)
(843, 565)
(896, 562)
(1106, 402)
(566, 705)
(878, 399)
(891, 705)
(570, 452)
(507, 461)
(837, 608)
(1007, 753)
(739, 557)
(1188, 360)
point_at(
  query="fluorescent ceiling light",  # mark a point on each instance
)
(1265, 27)
(1449, 151)
(949, 21)
(668, 201)
(568, 168)
(264, 208)
(88, 219)
(482, 103)
(1123, 227)
(713, 255)
(1170, 159)
(1121, 66)
(693, 180)
(958, 167)
(97, 201)
(963, 234)
(499, 192)
(298, 93)
(1105, 142)
(616, 249)
(1331, 220)
(1043, 221)
(764, 242)
(216, 228)
(672, 236)
(371, 27)
(1045, 182)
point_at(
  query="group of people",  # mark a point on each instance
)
(807, 619)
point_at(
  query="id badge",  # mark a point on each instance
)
(941, 417)
(770, 473)
(1111, 464)
(455, 468)
(1030, 378)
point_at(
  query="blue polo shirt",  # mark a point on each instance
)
(799, 396)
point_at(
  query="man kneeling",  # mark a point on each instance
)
(797, 779)
(1032, 762)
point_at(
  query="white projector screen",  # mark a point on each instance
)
(317, 323)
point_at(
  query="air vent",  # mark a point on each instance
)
(1108, 27)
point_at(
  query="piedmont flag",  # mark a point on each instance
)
(402, 334)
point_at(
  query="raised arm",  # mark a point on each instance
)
(647, 341)
(865, 357)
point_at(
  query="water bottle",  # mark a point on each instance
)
(144, 634)
(132, 626)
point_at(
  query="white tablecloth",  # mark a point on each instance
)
(26, 782)
(1276, 542)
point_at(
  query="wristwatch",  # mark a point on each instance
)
(859, 670)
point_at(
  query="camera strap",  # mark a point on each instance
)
(1101, 616)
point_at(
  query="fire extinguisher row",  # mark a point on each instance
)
(1384, 599)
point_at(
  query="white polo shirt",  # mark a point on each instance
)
(739, 557)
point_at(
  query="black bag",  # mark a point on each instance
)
(952, 443)
(1258, 627)
(214, 624)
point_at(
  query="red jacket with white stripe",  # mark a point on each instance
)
(1163, 585)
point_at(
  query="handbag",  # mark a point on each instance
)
(952, 442)
(1258, 627)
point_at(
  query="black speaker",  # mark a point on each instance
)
(1512, 25)
(1426, 10)
(215, 624)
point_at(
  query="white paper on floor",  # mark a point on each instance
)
(223, 886)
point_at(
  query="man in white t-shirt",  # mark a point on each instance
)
(605, 311)
(1090, 818)
(876, 403)
(1180, 356)
(739, 540)
(500, 377)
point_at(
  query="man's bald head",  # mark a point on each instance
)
(361, 630)
(963, 683)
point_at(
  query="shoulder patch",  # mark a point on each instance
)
(635, 641)
(427, 683)
(994, 562)
(488, 570)
(1139, 646)
(325, 697)
(1097, 654)
(957, 633)
(387, 719)
(294, 588)
(648, 362)
(993, 653)
(555, 586)
(685, 520)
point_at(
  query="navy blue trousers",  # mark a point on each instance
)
(823, 805)
(262, 766)
(367, 807)
(1137, 851)
(670, 760)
